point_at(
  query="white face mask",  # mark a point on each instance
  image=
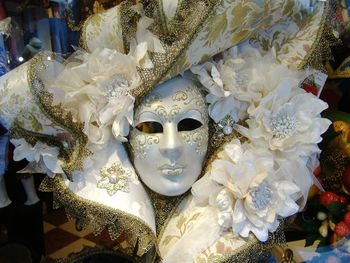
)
(170, 138)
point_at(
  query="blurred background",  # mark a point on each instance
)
(42, 25)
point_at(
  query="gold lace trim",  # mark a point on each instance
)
(163, 207)
(82, 41)
(128, 20)
(180, 32)
(320, 51)
(17, 132)
(136, 231)
(92, 252)
(70, 21)
(75, 153)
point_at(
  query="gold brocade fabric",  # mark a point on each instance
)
(73, 155)
(164, 207)
(199, 30)
(137, 233)
(255, 251)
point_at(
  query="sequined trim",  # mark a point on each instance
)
(70, 21)
(99, 216)
(76, 152)
(321, 51)
(82, 40)
(128, 22)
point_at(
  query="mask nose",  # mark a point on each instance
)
(171, 143)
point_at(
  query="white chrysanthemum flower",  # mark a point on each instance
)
(118, 112)
(259, 210)
(97, 92)
(288, 121)
(217, 80)
(249, 193)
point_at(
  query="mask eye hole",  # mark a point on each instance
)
(150, 127)
(188, 124)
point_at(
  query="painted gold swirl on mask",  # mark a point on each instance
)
(197, 137)
(140, 141)
(191, 95)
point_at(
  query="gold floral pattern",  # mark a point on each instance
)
(307, 42)
(228, 248)
(95, 35)
(182, 225)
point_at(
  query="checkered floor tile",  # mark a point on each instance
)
(62, 238)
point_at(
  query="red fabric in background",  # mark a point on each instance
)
(3, 14)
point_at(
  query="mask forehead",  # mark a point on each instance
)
(172, 101)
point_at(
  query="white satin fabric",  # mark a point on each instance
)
(16, 101)
(170, 7)
(200, 237)
(196, 240)
(135, 202)
(14, 94)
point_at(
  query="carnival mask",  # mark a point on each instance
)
(170, 138)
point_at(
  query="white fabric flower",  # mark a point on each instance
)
(118, 111)
(97, 92)
(247, 178)
(264, 201)
(236, 85)
(43, 155)
(258, 74)
(224, 203)
(221, 99)
(288, 121)
(97, 89)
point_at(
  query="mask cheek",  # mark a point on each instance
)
(145, 149)
(142, 144)
(198, 139)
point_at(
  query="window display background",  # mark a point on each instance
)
(337, 94)
(44, 25)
